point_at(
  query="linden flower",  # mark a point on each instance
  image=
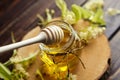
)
(94, 4)
(72, 77)
(70, 17)
(83, 35)
(112, 11)
(16, 59)
(91, 32)
(20, 73)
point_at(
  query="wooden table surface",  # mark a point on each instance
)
(19, 17)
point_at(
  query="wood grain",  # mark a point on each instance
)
(25, 19)
(21, 18)
(115, 64)
(112, 21)
(95, 57)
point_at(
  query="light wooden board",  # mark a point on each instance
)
(94, 56)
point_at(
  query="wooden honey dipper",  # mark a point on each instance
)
(49, 35)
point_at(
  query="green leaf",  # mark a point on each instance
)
(4, 72)
(67, 15)
(98, 17)
(70, 17)
(86, 13)
(80, 12)
(24, 61)
(76, 10)
(62, 6)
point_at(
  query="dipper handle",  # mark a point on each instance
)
(48, 35)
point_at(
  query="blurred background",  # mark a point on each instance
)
(4, 5)
(19, 17)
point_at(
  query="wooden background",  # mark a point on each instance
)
(19, 17)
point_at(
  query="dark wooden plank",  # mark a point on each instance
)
(114, 33)
(23, 18)
(19, 23)
(112, 21)
(13, 12)
(6, 4)
(115, 57)
(114, 36)
(27, 18)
